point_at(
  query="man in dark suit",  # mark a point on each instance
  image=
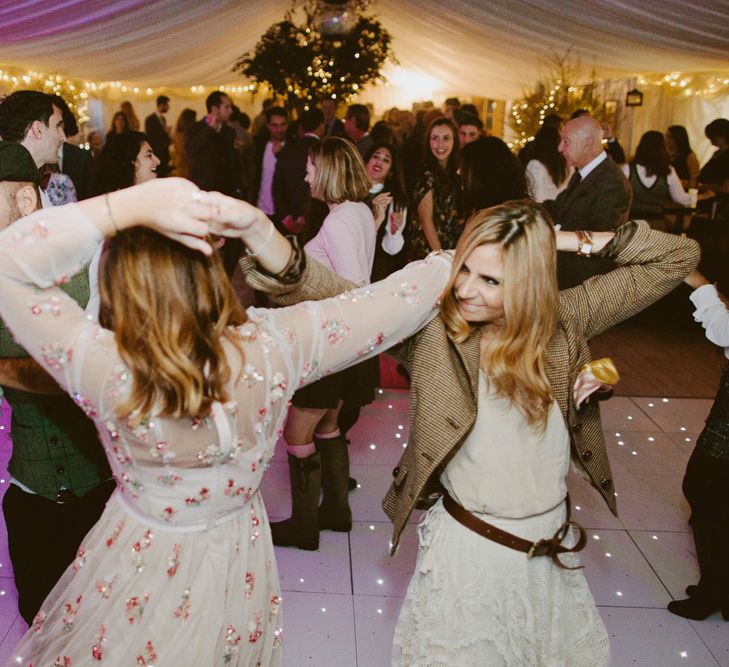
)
(210, 147)
(214, 162)
(597, 198)
(290, 190)
(266, 146)
(333, 127)
(159, 134)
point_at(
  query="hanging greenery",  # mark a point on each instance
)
(558, 92)
(300, 63)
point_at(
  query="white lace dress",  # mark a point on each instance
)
(474, 602)
(180, 568)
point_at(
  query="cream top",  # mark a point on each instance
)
(505, 468)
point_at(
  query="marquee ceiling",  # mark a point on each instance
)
(472, 47)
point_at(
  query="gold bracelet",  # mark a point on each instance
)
(109, 215)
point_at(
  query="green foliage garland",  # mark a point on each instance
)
(302, 66)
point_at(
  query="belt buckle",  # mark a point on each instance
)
(534, 548)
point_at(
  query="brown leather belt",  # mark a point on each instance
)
(548, 547)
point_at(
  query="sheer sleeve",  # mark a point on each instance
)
(327, 336)
(37, 254)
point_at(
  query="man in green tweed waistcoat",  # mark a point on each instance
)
(60, 480)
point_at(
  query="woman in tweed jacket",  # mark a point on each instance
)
(472, 600)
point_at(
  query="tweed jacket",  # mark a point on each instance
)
(600, 202)
(444, 374)
(55, 445)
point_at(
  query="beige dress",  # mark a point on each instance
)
(474, 602)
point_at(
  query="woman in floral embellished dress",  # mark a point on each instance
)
(188, 400)
(435, 224)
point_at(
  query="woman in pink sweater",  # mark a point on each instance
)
(317, 451)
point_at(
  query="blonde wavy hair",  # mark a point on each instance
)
(170, 308)
(340, 171)
(515, 361)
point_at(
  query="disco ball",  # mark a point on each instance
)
(335, 19)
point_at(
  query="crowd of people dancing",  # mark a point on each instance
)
(148, 393)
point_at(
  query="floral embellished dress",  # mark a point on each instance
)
(180, 569)
(445, 215)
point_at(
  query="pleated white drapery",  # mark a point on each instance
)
(469, 45)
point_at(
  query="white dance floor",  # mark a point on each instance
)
(341, 603)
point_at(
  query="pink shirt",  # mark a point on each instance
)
(346, 241)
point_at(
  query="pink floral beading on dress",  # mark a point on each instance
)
(180, 569)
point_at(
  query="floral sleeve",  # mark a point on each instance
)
(332, 334)
(37, 254)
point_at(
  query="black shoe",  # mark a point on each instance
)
(695, 608)
(302, 529)
(691, 590)
(352, 484)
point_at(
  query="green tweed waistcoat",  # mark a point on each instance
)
(55, 446)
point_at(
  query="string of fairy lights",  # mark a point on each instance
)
(78, 92)
(711, 85)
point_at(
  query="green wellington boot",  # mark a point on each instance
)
(334, 513)
(302, 529)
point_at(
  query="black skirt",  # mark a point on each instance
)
(355, 386)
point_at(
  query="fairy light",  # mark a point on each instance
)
(78, 92)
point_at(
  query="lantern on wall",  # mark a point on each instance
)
(634, 98)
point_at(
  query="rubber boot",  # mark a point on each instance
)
(334, 513)
(302, 529)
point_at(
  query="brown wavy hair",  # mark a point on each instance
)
(170, 308)
(515, 361)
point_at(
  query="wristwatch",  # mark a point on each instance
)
(584, 243)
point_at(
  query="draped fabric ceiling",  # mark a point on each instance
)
(482, 47)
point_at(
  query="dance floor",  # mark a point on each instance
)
(341, 603)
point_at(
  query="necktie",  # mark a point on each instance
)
(574, 182)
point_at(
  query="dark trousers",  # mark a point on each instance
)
(706, 487)
(43, 538)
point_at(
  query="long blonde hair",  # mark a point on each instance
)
(170, 308)
(515, 360)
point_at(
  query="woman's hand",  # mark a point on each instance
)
(173, 207)
(234, 218)
(397, 221)
(380, 204)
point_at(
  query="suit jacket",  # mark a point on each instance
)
(290, 190)
(615, 151)
(78, 165)
(160, 142)
(444, 374)
(214, 164)
(600, 203)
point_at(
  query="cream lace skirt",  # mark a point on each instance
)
(474, 602)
